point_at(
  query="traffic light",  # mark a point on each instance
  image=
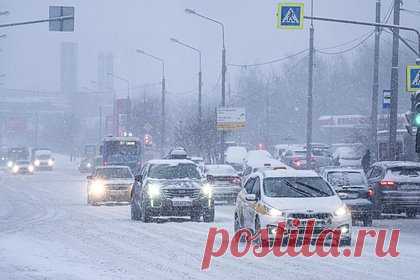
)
(416, 113)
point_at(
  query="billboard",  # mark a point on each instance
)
(230, 118)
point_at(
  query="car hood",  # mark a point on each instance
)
(315, 204)
(177, 183)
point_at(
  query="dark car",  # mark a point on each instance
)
(352, 187)
(396, 187)
(171, 188)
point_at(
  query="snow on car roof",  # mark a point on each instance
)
(111, 166)
(398, 163)
(170, 161)
(220, 169)
(289, 173)
(235, 154)
(268, 162)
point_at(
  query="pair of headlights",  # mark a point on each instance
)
(339, 212)
(154, 190)
(16, 168)
(37, 162)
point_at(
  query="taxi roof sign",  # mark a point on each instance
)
(413, 78)
(290, 15)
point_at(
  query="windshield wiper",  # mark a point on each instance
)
(312, 188)
(302, 192)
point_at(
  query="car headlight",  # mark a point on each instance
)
(10, 164)
(207, 190)
(31, 168)
(153, 190)
(88, 165)
(37, 162)
(341, 211)
(50, 162)
(97, 188)
(15, 169)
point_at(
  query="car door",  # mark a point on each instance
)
(251, 206)
(243, 203)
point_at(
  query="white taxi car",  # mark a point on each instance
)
(270, 197)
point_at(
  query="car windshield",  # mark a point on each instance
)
(114, 173)
(43, 156)
(22, 162)
(297, 187)
(410, 171)
(346, 178)
(174, 171)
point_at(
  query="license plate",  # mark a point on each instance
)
(181, 202)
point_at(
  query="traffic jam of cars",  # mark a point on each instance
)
(265, 190)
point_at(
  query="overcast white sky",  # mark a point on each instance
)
(30, 56)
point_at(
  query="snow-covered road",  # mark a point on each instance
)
(48, 232)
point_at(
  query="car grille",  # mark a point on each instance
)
(171, 193)
(117, 187)
(304, 216)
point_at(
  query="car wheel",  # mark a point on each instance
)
(208, 216)
(411, 213)
(367, 221)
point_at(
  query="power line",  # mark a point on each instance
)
(269, 62)
(348, 42)
(348, 49)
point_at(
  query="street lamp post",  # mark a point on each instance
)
(163, 113)
(200, 76)
(193, 12)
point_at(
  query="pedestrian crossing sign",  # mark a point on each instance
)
(290, 15)
(413, 78)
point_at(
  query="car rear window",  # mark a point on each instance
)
(404, 171)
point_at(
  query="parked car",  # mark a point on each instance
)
(352, 187)
(109, 184)
(171, 187)
(270, 197)
(225, 182)
(396, 187)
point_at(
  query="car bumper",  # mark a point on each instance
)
(398, 201)
(359, 207)
(112, 196)
(168, 207)
(333, 223)
(227, 193)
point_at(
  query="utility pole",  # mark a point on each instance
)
(310, 91)
(393, 121)
(163, 112)
(222, 141)
(100, 123)
(375, 88)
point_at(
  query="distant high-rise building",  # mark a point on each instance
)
(105, 66)
(69, 68)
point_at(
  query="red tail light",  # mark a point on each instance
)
(297, 162)
(370, 193)
(387, 184)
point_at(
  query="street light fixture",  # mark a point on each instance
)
(193, 12)
(163, 114)
(199, 75)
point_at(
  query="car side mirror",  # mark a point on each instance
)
(138, 178)
(90, 177)
(251, 197)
